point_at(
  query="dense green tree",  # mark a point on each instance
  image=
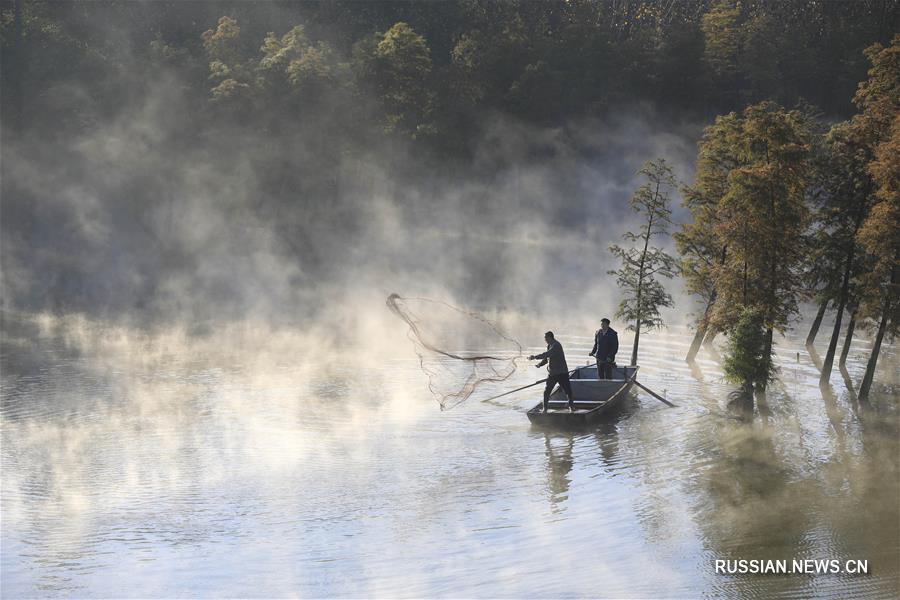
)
(491, 54)
(545, 62)
(748, 355)
(230, 70)
(723, 42)
(397, 63)
(643, 264)
(293, 64)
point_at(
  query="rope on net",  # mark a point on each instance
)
(441, 365)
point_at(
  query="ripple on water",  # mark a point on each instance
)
(205, 477)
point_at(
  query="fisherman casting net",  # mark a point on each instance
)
(438, 331)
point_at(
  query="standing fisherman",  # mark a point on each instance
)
(559, 370)
(606, 344)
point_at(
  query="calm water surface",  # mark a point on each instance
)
(154, 467)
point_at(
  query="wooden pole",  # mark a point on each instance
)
(652, 393)
(525, 387)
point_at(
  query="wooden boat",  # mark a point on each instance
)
(593, 398)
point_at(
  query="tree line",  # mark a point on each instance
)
(783, 210)
(427, 70)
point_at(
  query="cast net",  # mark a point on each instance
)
(458, 350)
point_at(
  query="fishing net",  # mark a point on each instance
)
(457, 349)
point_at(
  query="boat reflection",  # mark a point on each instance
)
(559, 467)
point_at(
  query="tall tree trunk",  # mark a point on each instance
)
(873, 358)
(814, 330)
(695, 343)
(640, 288)
(848, 338)
(701, 331)
(637, 323)
(703, 325)
(825, 376)
(637, 336)
(876, 348)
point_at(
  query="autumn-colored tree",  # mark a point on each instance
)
(761, 219)
(643, 264)
(844, 194)
(698, 244)
(879, 235)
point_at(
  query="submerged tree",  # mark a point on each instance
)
(817, 320)
(879, 235)
(845, 191)
(761, 219)
(851, 328)
(701, 249)
(643, 264)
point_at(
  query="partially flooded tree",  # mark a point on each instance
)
(822, 301)
(879, 235)
(762, 218)
(697, 245)
(851, 328)
(844, 199)
(643, 264)
(700, 248)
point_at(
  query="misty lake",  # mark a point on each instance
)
(157, 466)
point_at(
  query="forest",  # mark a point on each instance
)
(794, 196)
(428, 71)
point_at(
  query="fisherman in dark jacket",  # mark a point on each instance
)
(559, 370)
(606, 344)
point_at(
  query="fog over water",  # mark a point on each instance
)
(135, 224)
(251, 463)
